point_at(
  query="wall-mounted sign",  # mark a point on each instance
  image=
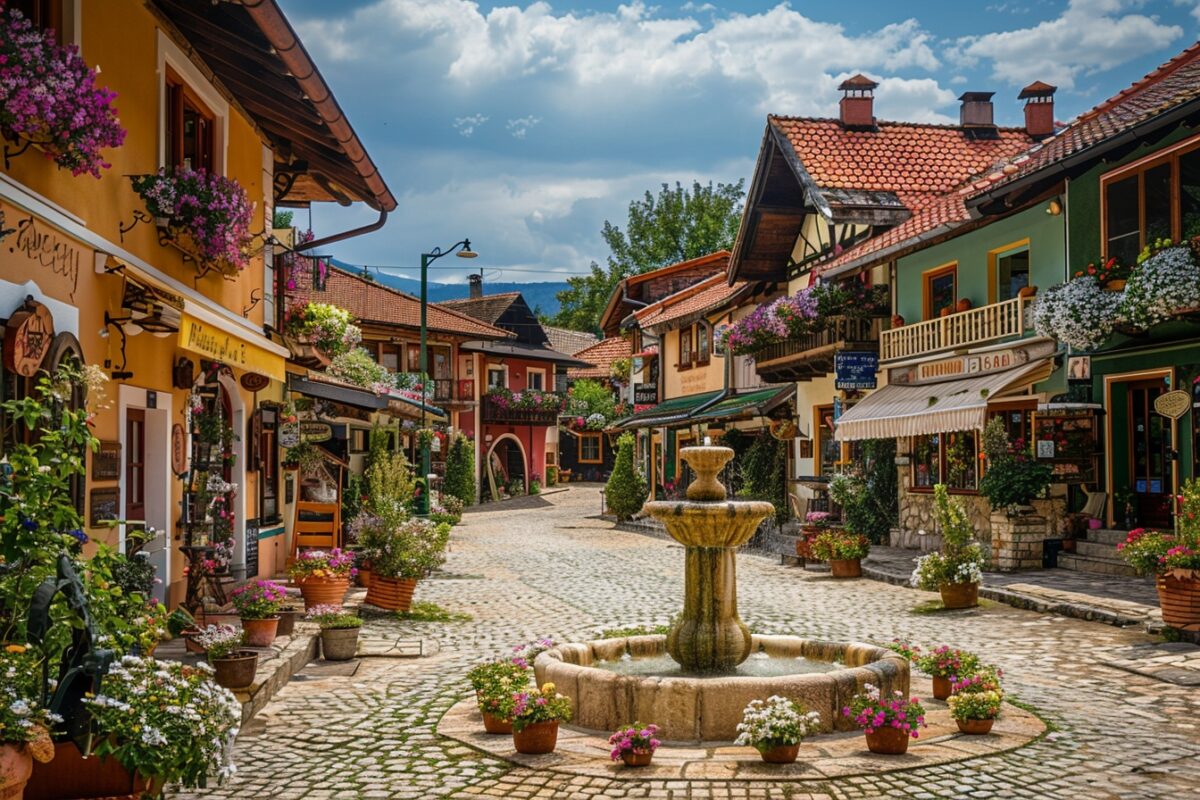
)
(971, 364)
(234, 351)
(1173, 404)
(104, 505)
(106, 462)
(179, 453)
(27, 338)
(49, 253)
(1079, 368)
(254, 382)
(316, 431)
(855, 369)
(645, 394)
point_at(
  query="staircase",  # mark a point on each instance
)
(1097, 554)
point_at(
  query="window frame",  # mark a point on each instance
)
(529, 373)
(685, 336)
(598, 437)
(172, 58)
(180, 95)
(703, 333)
(942, 463)
(1170, 155)
(993, 260)
(927, 279)
(268, 465)
(503, 370)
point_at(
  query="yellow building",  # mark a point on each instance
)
(197, 85)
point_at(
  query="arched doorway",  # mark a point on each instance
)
(506, 462)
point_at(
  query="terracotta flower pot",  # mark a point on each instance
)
(959, 595)
(494, 724)
(391, 594)
(1114, 285)
(189, 643)
(536, 739)
(339, 644)
(634, 758)
(364, 577)
(16, 765)
(846, 567)
(887, 741)
(260, 632)
(237, 671)
(323, 591)
(1180, 601)
(1027, 291)
(941, 688)
(897, 321)
(287, 622)
(963, 304)
(780, 753)
(70, 775)
(975, 727)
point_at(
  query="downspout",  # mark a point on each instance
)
(339, 237)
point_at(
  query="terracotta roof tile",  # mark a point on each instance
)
(565, 340)
(601, 355)
(705, 296)
(488, 308)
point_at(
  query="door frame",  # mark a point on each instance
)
(1129, 377)
(159, 480)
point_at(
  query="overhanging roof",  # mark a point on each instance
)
(337, 393)
(668, 412)
(503, 349)
(754, 403)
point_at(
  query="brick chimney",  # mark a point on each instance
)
(474, 286)
(1039, 109)
(858, 102)
(976, 110)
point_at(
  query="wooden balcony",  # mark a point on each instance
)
(493, 414)
(811, 356)
(963, 329)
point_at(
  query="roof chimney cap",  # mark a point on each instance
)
(858, 82)
(1037, 89)
(976, 97)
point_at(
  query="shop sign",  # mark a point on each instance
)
(970, 365)
(1173, 404)
(645, 394)
(316, 431)
(855, 369)
(52, 252)
(233, 351)
(179, 454)
(27, 338)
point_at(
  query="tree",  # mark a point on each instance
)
(626, 489)
(676, 225)
(591, 397)
(460, 470)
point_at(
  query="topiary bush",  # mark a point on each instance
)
(460, 470)
(625, 491)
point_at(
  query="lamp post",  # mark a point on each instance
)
(462, 250)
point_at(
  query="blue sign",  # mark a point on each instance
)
(855, 369)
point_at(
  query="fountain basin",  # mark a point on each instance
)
(709, 708)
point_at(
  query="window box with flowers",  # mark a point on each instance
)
(528, 407)
(203, 215)
(49, 100)
(321, 331)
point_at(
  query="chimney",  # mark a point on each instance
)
(858, 102)
(1039, 109)
(474, 286)
(976, 110)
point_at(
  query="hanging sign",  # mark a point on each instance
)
(179, 454)
(316, 431)
(645, 394)
(1173, 404)
(855, 369)
(289, 435)
(27, 338)
(254, 381)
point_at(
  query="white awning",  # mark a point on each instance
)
(896, 410)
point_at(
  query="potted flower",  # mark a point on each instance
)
(321, 330)
(1013, 477)
(495, 684)
(165, 722)
(634, 744)
(233, 667)
(258, 605)
(889, 722)
(24, 723)
(957, 569)
(535, 716)
(815, 522)
(844, 550)
(1173, 560)
(945, 666)
(400, 554)
(976, 700)
(1079, 313)
(287, 620)
(775, 727)
(339, 632)
(210, 211)
(323, 576)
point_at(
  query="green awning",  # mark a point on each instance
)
(668, 412)
(748, 404)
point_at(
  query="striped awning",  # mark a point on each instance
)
(897, 410)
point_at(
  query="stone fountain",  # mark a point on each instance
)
(694, 682)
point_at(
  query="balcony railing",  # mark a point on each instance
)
(495, 414)
(963, 329)
(812, 355)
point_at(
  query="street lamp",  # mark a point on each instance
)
(462, 250)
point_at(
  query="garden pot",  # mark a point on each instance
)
(634, 758)
(16, 765)
(846, 567)
(962, 305)
(287, 622)
(189, 643)
(364, 577)
(887, 741)
(70, 776)
(975, 727)
(1114, 285)
(536, 739)
(1095, 524)
(941, 688)
(959, 595)
(237, 671)
(780, 753)
(339, 644)
(1027, 291)
(494, 724)
(1180, 602)
(897, 321)
(945, 312)
(323, 591)
(260, 632)
(391, 594)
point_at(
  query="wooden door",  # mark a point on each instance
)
(135, 464)
(1149, 455)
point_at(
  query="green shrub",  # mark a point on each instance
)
(763, 470)
(626, 489)
(460, 470)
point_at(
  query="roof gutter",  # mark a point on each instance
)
(339, 237)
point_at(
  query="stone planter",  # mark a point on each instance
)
(260, 632)
(634, 758)
(494, 724)
(237, 671)
(391, 594)
(959, 595)
(846, 567)
(975, 727)
(780, 753)
(323, 591)
(16, 765)
(536, 739)
(887, 741)
(1180, 601)
(339, 644)
(941, 688)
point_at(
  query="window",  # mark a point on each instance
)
(268, 466)
(590, 448)
(1012, 274)
(360, 440)
(388, 355)
(43, 14)
(685, 348)
(1154, 199)
(926, 461)
(190, 127)
(941, 290)
(1018, 422)
(950, 458)
(536, 379)
(703, 342)
(497, 378)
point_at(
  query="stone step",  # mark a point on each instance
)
(1096, 566)
(1107, 536)
(1098, 550)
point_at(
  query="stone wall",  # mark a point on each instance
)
(1017, 541)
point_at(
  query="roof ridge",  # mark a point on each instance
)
(1155, 75)
(893, 123)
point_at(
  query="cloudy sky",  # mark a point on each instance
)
(525, 126)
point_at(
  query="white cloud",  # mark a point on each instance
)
(1192, 4)
(521, 126)
(467, 125)
(1090, 36)
(697, 7)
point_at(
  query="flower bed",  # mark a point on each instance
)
(210, 210)
(808, 311)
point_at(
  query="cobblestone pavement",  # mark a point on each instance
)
(547, 566)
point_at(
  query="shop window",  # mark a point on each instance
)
(1012, 274)
(831, 454)
(268, 466)
(190, 127)
(949, 458)
(926, 461)
(1018, 423)
(941, 290)
(590, 448)
(497, 378)
(703, 342)
(1155, 199)
(685, 348)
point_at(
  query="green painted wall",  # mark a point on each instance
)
(1047, 259)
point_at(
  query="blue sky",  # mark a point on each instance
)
(525, 126)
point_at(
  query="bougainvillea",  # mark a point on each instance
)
(210, 209)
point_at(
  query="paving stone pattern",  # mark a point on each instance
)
(548, 566)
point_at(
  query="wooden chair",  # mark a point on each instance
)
(315, 524)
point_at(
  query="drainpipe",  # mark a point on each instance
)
(350, 234)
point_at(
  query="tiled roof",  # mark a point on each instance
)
(708, 295)
(941, 213)
(568, 341)
(369, 301)
(488, 308)
(602, 355)
(718, 261)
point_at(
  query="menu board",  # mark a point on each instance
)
(1067, 440)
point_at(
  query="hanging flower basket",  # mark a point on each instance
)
(207, 216)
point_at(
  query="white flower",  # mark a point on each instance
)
(1078, 313)
(1165, 283)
